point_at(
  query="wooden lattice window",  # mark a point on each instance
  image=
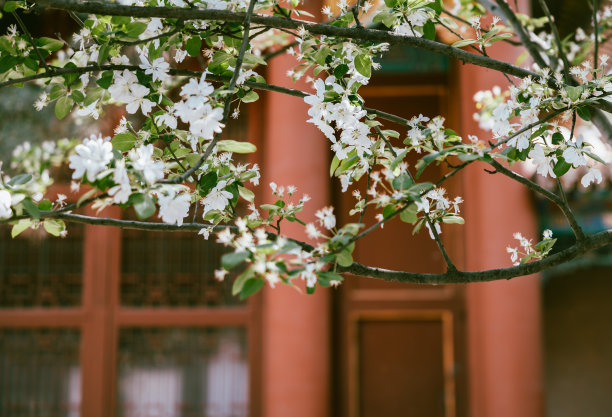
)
(122, 323)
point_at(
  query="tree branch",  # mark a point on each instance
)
(358, 33)
(590, 243)
(29, 36)
(560, 202)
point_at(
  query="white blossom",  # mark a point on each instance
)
(143, 162)
(158, 68)
(91, 157)
(593, 176)
(5, 204)
(217, 198)
(173, 205)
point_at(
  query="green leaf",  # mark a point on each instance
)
(63, 106)
(241, 280)
(192, 159)
(402, 182)
(77, 96)
(561, 167)
(93, 95)
(193, 45)
(220, 62)
(235, 146)
(584, 113)
(498, 38)
(545, 245)
(539, 131)
(123, 142)
(45, 205)
(69, 78)
(269, 207)
(452, 219)
(30, 64)
(390, 133)
(363, 65)
(409, 214)
(399, 158)
(31, 208)
(436, 6)
(20, 226)
(105, 81)
(321, 55)
(54, 226)
(463, 42)
(230, 260)
(20, 179)
(347, 163)
(428, 159)
(144, 206)
(120, 20)
(134, 29)
(251, 287)
(340, 70)
(49, 44)
(388, 211)
(247, 194)
(429, 30)
(521, 58)
(250, 97)
(391, 3)
(595, 157)
(574, 93)
(334, 164)
(557, 138)
(86, 196)
(103, 53)
(344, 258)
(325, 277)
(207, 182)
(232, 41)
(8, 62)
(11, 6)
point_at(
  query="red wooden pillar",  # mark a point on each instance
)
(504, 318)
(100, 275)
(295, 327)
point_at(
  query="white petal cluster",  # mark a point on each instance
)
(122, 191)
(142, 161)
(354, 134)
(217, 198)
(5, 204)
(126, 89)
(173, 203)
(158, 69)
(91, 157)
(204, 120)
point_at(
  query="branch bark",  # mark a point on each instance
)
(461, 277)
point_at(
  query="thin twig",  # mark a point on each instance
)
(431, 225)
(596, 35)
(365, 202)
(567, 212)
(29, 36)
(555, 32)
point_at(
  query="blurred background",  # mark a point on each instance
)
(111, 323)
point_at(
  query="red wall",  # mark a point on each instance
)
(504, 318)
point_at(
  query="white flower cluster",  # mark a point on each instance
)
(272, 261)
(195, 109)
(551, 147)
(347, 118)
(528, 251)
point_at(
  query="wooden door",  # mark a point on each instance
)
(399, 347)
